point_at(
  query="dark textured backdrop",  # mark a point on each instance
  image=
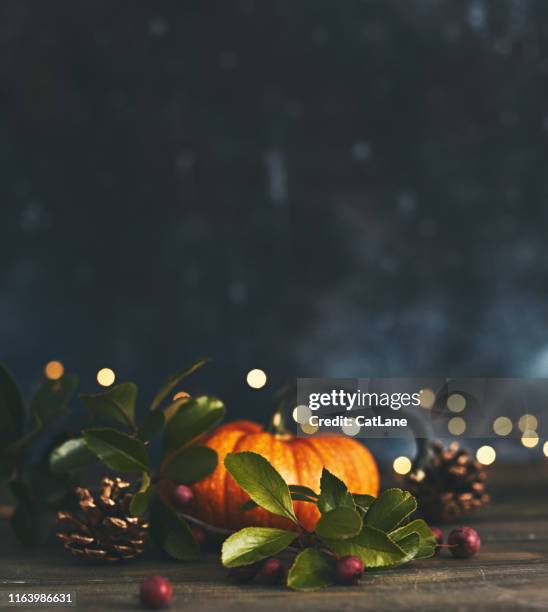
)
(315, 188)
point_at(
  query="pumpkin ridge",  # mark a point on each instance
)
(313, 449)
(355, 468)
(235, 448)
(297, 470)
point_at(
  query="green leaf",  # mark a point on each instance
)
(374, 548)
(12, 410)
(152, 425)
(302, 490)
(171, 533)
(312, 569)
(427, 541)
(261, 482)
(253, 544)
(51, 399)
(191, 464)
(117, 451)
(303, 498)
(333, 493)
(340, 523)
(410, 544)
(139, 502)
(250, 504)
(295, 493)
(173, 381)
(362, 500)
(116, 404)
(198, 416)
(71, 456)
(389, 509)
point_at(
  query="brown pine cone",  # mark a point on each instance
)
(450, 485)
(104, 529)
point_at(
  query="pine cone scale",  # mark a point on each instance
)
(451, 485)
(104, 531)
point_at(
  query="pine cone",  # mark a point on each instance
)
(451, 484)
(104, 529)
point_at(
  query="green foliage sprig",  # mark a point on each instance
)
(22, 429)
(116, 438)
(377, 530)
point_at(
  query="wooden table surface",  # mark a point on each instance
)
(509, 573)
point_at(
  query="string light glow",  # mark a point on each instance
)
(502, 426)
(529, 439)
(527, 422)
(309, 429)
(54, 370)
(301, 414)
(427, 398)
(456, 426)
(545, 448)
(106, 377)
(402, 465)
(256, 378)
(353, 429)
(486, 455)
(456, 402)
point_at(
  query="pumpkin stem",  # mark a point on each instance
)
(285, 398)
(421, 424)
(276, 424)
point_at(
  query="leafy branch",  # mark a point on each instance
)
(124, 448)
(116, 438)
(377, 530)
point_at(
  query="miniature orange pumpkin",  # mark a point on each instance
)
(218, 498)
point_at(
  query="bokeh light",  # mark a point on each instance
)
(486, 455)
(54, 370)
(301, 414)
(456, 426)
(256, 378)
(527, 422)
(545, 448)
(106, 377)
(352, 429)
(308, 429)
(456, 402)
(402, 465)
(529, 439)
(427, 398)
(502, 426)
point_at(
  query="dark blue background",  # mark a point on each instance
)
(316, 188)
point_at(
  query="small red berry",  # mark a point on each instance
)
(199, 534)
(464, 542)
(244, 573)
(349, 569)
(182, 497)
(156, 592)
(272, 571)
(439, 538)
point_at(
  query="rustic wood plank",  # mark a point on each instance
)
(510, 573)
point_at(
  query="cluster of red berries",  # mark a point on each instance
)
(271, 571)
(349, 570)
(463, 542)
